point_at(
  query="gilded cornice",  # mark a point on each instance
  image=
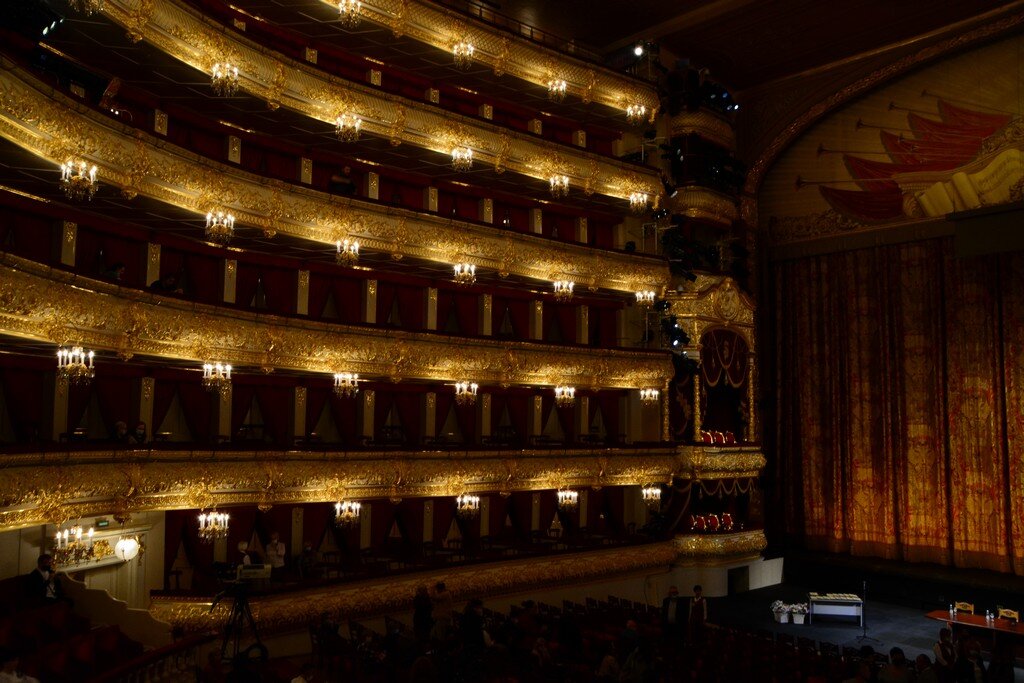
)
(40, 488)
(706, 462)
(706, 124)
(188, 36)
(388, 595)
(54, 127)
(713, 301)
(704, 204)
(509, 54)
(39, 303)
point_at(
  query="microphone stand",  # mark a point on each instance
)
(864, 637)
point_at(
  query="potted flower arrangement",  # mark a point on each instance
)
(780, 611)
(799, 612)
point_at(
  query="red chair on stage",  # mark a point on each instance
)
(712, 522)
(727, 523)
(697, 522)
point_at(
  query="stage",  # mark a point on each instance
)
(892, 624)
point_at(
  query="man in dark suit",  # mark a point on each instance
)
(673, 614)
(43, 584)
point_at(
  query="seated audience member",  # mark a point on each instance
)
(897, 670)
(925, 671)
(343, 182)
(423, 614)
(246, 559)
(275, 554)
(9, 673)
(945, 655)
(970, 667)
(608, 669)
(120, 434)
(43, 583)
(308, 674)
(168, 284)
(138, 435)
(865, 674)
(114, 273)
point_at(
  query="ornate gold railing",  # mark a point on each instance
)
(186, 35)
(55, 128)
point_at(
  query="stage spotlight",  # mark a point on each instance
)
(639, 50)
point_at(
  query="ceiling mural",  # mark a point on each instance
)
(943, 139)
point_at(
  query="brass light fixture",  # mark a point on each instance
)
(557, 88)
(559, 185)
(563, 289)
(348, 252)
(220, 227)
(465, 393)
(217, 377)
(565, 396)
(347, 513)
(649, 397)
(346, 384)
(635, 113)
(349, 12)
(347, 126)
(645, 298)
(462, 158)
(463, 51)
(465, 273)
(78, 180)
(75, 365)
(224, 79)
(213, 525)
(568, 499)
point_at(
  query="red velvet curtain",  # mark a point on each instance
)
(900, 409)
(26, 391)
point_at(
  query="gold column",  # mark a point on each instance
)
(487, 210)
(431, 308)
(697, 408)
(751, 400)
(370, 302)
(300, 413)
(302, 293)
(430, 426)
(372, 186)
(147, 387)
(666, 429)
(486, 322)
(367, 397)
(582, 324)
(537, 321)
(428, 521)
(483, 416)
(536, 416)
(230, 278)
(152, 263)
(69, 238)
(537, 221)
(224, 414)
(60, 408)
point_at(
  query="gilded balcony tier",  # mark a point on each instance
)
(707, 462)
(186, 35)
(55, 127)
(707, 205)
(707, 125)
(508, 54)
(394, 594)
(59, 307)
(43, 488)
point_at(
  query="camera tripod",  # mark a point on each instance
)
(239, 621)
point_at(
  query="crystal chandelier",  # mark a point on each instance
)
(559, 186)
(645, 298)
(465, 393)
(220, 227)
(346, 513)
(86, 7)
(75, 365)
(635, 114)
(651, 496)
(565, 396)
(217, 377)
(78, 180)
(568, 499)
(224, 79)
(467, 505)
(649, 397)
(463, 52)
(465, 273)
(462, 158)
(213, 525)
(557, 89)
(347, 126)
(348, 252)
(638, 201)
(348, 12)
(563, 289)
(346, 384)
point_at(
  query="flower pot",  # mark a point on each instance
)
(781, 617)
(798, 618)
